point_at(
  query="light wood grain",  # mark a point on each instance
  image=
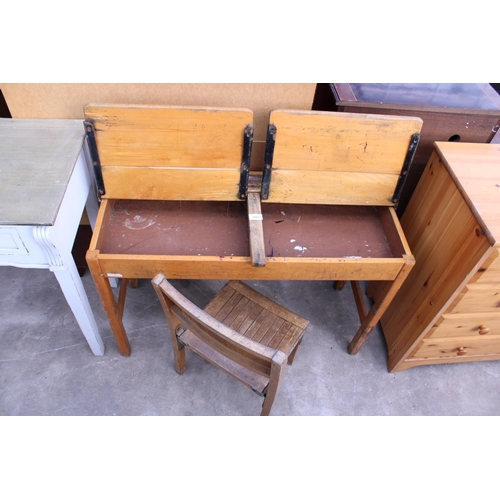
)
(157, 183)
(256, 231)
(339, 158)
(289, 268)
(169, 153)
(332, 188)
(475, 168)
(156, 136)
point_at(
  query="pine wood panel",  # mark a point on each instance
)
(156, 136)
(157, 183)
(481, 324)
(169, 153)
(332, 188)
(490, 271)
(341, 141)
(340, 158)
(255, 230)
(412, 362)
(445, 224)
(458, 347)
(479, 185)
(216, 267)
(483, 297)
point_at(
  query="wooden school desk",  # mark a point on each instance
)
(178, 199)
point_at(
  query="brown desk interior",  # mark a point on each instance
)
(193, 228)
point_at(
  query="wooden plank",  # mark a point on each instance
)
(478, 324)
(478, 298)
(332, 187)
(489, 272)
(102, 223)
(255, 229)
(182, 184)
(235, 268)
(451, 347)
(344, 142)
(272, 306)
(175, 136)
(289, 340)
(412, 362)
(250, 378)
(394, 232)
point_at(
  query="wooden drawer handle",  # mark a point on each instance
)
(483, 330)
(461, 351)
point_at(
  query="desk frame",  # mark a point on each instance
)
(390, 271)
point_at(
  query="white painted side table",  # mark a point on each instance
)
(45, 183)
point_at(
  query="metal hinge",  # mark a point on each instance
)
(268, 160)
(245, 161)
(94, 156)
(406, 167)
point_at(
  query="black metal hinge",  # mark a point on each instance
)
(268, 160)
(245, 161)
(406, 167)
(94, 156)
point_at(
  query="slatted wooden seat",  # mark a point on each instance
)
(240, 331)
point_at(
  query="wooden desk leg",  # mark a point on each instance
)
(370, 320)
(108, 302)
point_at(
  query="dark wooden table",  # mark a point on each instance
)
(465, 112)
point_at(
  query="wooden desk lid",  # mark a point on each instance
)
(170, 152)
(338, 158)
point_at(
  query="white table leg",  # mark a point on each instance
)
(72, 287)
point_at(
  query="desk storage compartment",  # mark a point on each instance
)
(301, 241)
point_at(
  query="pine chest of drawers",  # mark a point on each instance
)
(448, 309)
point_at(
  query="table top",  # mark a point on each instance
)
(477, 96)
(475, 169)
(37, 158)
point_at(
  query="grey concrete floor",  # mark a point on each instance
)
(47, 368)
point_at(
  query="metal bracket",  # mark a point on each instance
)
(245, 161)
(268, 160)
(94, 155)
(406, 167)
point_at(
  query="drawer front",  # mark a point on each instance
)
(11, 242)
(490, 271)
(479, 325)
(463, 347)
(483, 297)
